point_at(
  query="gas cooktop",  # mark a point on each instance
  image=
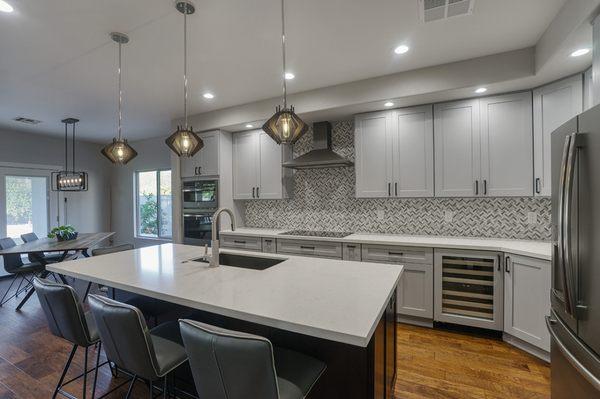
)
(316, 233)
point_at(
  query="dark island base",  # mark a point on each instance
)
(353, 372)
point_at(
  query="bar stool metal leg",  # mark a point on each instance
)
(133, 380)
(64, 373)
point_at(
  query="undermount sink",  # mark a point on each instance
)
(245, 262)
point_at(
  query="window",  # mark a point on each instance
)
(153, 204)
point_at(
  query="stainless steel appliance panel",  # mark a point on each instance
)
(197, 227)
(200, 194)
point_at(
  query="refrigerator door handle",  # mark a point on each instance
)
(560, 222)
(595, 382)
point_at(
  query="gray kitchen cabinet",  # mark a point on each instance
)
(396, 254)
(415, 291)
(324, 249)
(456, 137)
(553, 105)
(257, 170)
(250, 243)
(352, 251)
(588, 94)
(506, 145)
(206, 161)
(269, 245)
(469, 288)
(394, 153)
(527, 299)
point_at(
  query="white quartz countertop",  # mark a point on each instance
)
(336, 300)
(535, 249)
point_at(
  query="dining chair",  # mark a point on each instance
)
(40, 256)
(151, 355)
(13, 264)
(234, 365)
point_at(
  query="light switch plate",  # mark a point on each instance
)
(380, 214)
(531, 218)
(448, 216)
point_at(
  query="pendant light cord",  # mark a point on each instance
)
(283, 52)
(73, 162)
(185, 82)
(66, 149)
(120, 94)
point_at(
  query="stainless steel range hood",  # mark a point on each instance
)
(321, 156)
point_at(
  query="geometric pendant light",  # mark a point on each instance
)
(285, 127)
(184, 142)
(69, 180)
(119, 151)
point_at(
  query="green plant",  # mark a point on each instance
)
(149, 215)
(61, 231)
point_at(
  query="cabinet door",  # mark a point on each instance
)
(506, 145)
(373, 145)
(270, 185)
(527, 299)
(553, 105)
(189, 167)
(413, 152)
(415, 290)
(456, 127)
(588, 94)
(208, 161)
(245, 165)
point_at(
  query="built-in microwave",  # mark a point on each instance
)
(200, 194)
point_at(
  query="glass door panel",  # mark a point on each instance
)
(26, 209)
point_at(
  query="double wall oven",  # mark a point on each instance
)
(200, 201)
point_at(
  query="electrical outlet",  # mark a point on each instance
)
(271, 214)
(448, 216)
(380, 214)
(531, 218)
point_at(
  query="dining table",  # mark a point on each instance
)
(70, 249)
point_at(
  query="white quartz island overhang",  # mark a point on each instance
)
(336, 300)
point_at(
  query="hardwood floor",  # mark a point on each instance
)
(432, 364)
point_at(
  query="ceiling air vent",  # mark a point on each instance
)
(435, 10)
(28, 121)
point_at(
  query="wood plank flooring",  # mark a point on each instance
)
(432, 364)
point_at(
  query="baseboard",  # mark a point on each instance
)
(527, 347)
(414, 320)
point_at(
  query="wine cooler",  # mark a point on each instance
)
(468, 288)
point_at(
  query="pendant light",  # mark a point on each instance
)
(184, 142)
(69, 180)
(119, 151)
(285, 127)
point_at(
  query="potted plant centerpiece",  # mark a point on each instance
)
(63, 233)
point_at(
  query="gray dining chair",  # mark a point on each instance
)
(13, 265)
(149, 354)
(234, 365)
(40, 256)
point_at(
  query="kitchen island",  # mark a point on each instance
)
(341, 312)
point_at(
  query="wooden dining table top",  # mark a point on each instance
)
(83, 242)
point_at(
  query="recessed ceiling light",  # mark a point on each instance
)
(208, 96)
(249, 126)
(289, 76)
(481, 90)
(401, 49)
(389, 104)
(580, 52)
(5, 7)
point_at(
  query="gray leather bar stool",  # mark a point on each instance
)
(150, 355)
(67, 320)
(13, 264)
(233, 365)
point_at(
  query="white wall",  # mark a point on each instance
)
(152, 154)
(87, 211)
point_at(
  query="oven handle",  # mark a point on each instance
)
(192, 215)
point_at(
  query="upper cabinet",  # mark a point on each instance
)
(483, 147)
(588, 94)
(206, 161)
(553, 105)
(257, 170)
(394, 153)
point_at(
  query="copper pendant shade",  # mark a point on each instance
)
(184, 142)
(119, 151)
(285, 127)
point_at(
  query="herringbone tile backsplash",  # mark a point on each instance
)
(324, 200)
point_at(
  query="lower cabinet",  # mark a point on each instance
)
(527, 299)
(415, 291)
(269, 245)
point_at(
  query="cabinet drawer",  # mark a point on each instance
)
(242, 242)
(352, 252)
(310, 248)
(269, 245)
(395, 254)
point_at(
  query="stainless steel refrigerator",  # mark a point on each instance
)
(574, 323)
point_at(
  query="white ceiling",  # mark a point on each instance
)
(56, 58)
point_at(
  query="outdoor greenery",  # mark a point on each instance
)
(149, 215)
(19, 202)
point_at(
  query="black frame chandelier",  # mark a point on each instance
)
(285, 127)
(69, 180)
(184, 142)
(119, 151)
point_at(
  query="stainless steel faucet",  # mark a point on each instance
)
(214, 243)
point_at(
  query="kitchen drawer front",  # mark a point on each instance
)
(269, 245)
(310, 248)
(241, 242)
(352, 252)
(395, 254)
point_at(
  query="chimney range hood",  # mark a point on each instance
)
(321, 156)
